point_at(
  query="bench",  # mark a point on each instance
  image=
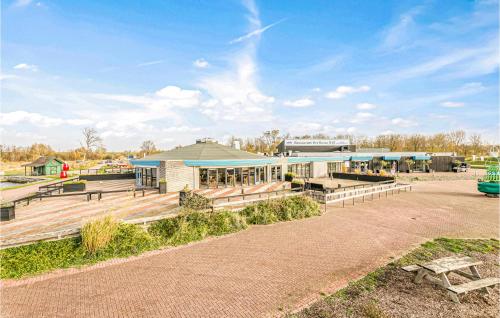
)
(411, 268)
(484, 283)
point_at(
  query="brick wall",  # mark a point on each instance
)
(178, 175)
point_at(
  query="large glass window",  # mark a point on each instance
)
(302, 170)
(221, 177)
(239, 176)
(231, 182)
(212, 178)
(203, 178)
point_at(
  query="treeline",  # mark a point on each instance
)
(456, 141)
(93, 149)
(30, 153)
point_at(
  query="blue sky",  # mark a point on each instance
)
(174, 71)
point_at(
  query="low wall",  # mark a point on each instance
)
(111, 176)
(360, 177)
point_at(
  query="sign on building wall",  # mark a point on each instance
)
(316, 142)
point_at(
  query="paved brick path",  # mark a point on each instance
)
(263, 271)
(57, 214)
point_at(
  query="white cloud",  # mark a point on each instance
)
(234, 94)
(450, 104)
(27, 67)
(401, 122)
(362, 117)
(303, 102)
(316, 89)
(366, 106)
(201, 63)
(181, 129)
(165, 98)
(343, 91)
(20, 116)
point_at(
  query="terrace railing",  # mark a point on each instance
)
(358, 191)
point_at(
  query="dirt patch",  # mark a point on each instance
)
(391, 292)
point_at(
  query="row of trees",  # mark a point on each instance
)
(455, 141)
(92, 147)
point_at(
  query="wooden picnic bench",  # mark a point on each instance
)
(437, 272)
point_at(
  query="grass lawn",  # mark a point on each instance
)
(390, 292)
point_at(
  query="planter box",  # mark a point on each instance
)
(74, 187)
(182, 196)
(297, 185)
(8, 213)
(163, 187)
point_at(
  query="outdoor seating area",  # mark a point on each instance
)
(438, 271)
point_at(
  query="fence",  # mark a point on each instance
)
(104, 171)
(360, 192)
(244, 199)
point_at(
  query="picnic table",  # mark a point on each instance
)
(437, 272)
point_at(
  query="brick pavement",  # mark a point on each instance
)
(263, 271)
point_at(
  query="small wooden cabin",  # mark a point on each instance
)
(44, 166)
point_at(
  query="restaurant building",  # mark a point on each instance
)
(208, 164)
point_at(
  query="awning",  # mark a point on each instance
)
(361, 158)
(387, 158)
(145, 163)
(421, 157)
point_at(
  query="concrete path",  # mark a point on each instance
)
(263, 271)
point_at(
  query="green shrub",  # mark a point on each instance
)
(193, 225)
(283, 209)
(196, 202)
(225, 222)
(98, 233)
(40, 257)
(289, 176)
(129, 239)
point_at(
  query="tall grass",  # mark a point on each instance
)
(98, 233)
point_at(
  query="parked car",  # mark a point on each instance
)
(461, 167)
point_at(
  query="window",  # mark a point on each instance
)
(203, 178)
(302, 170)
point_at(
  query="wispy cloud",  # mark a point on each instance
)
(449, 104)
(233, 93)
(299, 103)
(151, 63)
(22, 3)
(343, 91)
(255, 33)
(402, 33)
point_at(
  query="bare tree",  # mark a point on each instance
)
(148, 147)
(476, 143)
(457, 139)
(271, 139)
(91, 139)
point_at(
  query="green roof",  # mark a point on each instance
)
(203, 151)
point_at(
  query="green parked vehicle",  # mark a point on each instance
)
(491, 183)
